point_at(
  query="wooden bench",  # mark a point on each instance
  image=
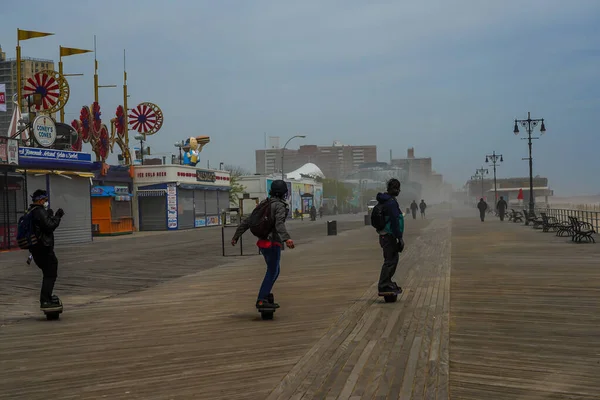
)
(581, 230)
(532, 218)
(515, 216)
(550, 223)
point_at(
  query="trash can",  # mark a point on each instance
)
(331, 228)
(367, 219)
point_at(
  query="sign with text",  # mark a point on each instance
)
(205, 176)
(2, 97)
(9, 151)
(54, 155)
(44, 130)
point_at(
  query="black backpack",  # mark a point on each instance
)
(378, 217)
(260, 221)
(26, 237)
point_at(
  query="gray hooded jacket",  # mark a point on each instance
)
(279, 213)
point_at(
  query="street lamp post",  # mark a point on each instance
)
(494, 159)
(481, 172)
(180, 145)
(283, 152)
(529, 124)
(141, 140)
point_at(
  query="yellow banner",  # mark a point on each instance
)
(69, 51)
(24, 35)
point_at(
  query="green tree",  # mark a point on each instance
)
(236, 188)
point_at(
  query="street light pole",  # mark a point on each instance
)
(494, 159)
(283, 152)
(529, 124)
(481, 172)
(141, 140)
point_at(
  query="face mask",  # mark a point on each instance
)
(46, 204)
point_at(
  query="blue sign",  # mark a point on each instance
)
(29, 156)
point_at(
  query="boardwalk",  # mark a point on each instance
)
(481, 318)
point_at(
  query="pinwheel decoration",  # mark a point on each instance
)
(146, 118)
(53, 88)
(120, 121)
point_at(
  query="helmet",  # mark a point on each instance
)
(278, 188)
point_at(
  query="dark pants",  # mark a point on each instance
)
(390, 262)
(414, 214)
(482, 215)
(423, 214)
(46, 260)
(272, 257)
(501, 214)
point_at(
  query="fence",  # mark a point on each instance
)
(563, 214)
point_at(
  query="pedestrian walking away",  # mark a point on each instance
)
(423, 207)
(43, 224)
(482, 206)
(413, 208)
(501, 207)
(388, 220)
(267, 223)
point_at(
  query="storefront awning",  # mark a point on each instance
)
(191, 186)
(54, 172)
(151, 193)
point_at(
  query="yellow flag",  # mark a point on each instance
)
(24, 35)
(69, 51)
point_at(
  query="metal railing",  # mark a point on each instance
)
(563, 214)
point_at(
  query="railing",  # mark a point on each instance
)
(563, 214)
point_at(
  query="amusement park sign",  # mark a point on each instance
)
(44, 130)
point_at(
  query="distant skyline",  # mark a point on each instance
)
(447, 78)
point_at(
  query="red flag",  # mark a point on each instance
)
(520, 196)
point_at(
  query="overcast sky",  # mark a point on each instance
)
(445, 77)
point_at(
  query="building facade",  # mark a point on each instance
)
(335, 161)
(8, 76)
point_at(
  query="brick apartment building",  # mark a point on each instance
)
(336, 161)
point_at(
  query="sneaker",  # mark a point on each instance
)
(264, 304)
(271, 299)
(46, 306)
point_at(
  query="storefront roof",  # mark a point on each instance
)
(41, 158)
(187, 186)
(55, 172)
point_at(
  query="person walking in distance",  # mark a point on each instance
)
(482, 206)
(267, 223)
(44, 223)
(413, 208)
(501, 207)
(422, 206)
(388, 220)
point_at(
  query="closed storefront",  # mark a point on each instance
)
(13, 205)
(66, 175)
(185, 208)
(193, 198)
(153, 210)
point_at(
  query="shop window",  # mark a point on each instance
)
(120, 209)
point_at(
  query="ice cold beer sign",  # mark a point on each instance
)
(44, 131)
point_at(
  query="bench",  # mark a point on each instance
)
(532, 218)
(551, 223)
(515, 216)
(581, 230)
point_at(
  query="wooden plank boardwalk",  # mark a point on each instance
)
(525, 314)
(481, 317)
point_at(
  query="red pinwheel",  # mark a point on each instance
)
(103, 143)
(96, 120)
(52, 88)
(146, 118)
(120, 121)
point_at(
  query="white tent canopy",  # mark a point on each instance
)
(309, 169)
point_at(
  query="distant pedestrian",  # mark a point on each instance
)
(422, 206)
(313, 213)
(321, 211)
(413, 208)
(482, 206)
(501, 207)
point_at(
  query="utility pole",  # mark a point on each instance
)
(494, 159)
